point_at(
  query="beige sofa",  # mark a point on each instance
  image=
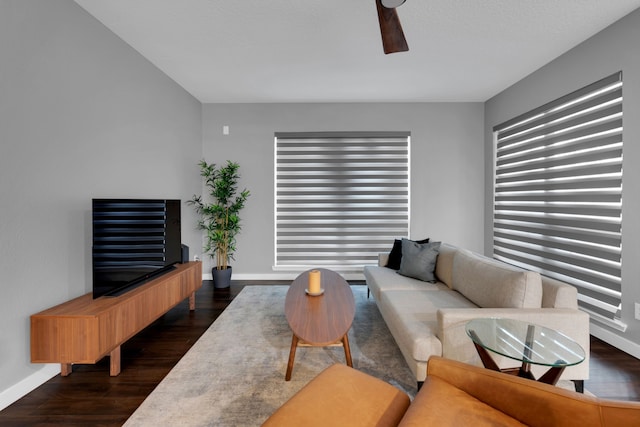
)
(428, 319)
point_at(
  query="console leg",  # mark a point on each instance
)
(192, 301)
(114, 363)
(65, 369)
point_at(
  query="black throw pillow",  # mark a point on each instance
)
(395, 256)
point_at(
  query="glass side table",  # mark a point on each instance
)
(525, 342)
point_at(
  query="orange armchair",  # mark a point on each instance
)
(453, 394)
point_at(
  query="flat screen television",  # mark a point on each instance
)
(134, 240)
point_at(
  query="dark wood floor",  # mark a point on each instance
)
(90, 397)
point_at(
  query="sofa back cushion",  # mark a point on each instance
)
(557, 294)
(444, 264)
(493, 284)
(528, 402)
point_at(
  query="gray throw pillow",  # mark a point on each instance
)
(395, 256)
(419, 260)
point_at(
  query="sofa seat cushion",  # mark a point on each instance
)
(412, 318)
(493, 284)
(381, 279)
(441, 404)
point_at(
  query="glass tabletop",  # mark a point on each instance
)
(525, 342)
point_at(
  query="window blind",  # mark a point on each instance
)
(558, 193)
(341, 198)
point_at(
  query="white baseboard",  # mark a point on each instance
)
(615, 340)
(279, 276)
(33, 381)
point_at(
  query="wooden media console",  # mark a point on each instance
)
(84, 330)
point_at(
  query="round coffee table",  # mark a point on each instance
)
(319, 321)
(525, 342)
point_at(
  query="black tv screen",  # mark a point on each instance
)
(134, 240)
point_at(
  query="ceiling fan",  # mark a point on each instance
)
(390, 28)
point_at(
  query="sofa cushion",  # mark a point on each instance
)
(340, 395)
(382, 279)
(419, 260)
(412, 318)
(444, 264)
(395, 256)
(531, 402)
(493, 284)
(441, 404)
(557, 294)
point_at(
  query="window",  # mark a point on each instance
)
(558, 194)
(341, 198)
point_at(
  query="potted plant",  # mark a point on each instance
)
(219, 217)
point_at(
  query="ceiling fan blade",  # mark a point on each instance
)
(391, 30)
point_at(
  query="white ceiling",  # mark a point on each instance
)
(330, 50)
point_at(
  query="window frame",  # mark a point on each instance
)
(372, 171)
(557, 189)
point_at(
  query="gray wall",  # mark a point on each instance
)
(613, 49)
(82, 115)
(446, 170)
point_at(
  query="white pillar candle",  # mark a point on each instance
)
(314, 282)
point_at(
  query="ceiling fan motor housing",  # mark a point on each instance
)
(391, 4)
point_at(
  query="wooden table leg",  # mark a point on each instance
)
(486, 358)
(347, 350)
(551, 376)
(525, 372)
(292, 356)
(114, 363)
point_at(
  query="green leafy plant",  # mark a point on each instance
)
(220, 218)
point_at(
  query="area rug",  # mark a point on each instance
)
(234, 374)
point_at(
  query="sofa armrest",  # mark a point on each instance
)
(458, 346)
(455, 392)
(383, 259)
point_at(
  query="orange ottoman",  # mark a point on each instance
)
(340, 395)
